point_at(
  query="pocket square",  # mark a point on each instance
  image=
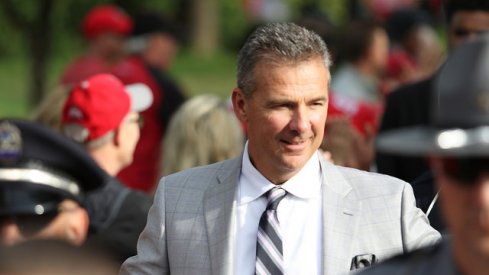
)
(361, 261)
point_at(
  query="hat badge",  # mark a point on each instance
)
(10, 141)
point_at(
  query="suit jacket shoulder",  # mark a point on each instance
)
(387, 221)
(189, 224)
(365, 183)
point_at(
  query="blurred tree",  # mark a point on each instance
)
(37, 31)
(205, 26)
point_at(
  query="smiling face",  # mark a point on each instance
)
(285, 116)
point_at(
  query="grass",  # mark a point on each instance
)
(13, 88)
(196, 75)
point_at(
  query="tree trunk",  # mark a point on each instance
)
(205, 26)
(38, 37)
(40, 45)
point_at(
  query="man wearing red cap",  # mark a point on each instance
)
(105, 27)
(102, 114)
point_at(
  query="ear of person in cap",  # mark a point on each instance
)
(98, 105)
(39, 168)
(460, 109)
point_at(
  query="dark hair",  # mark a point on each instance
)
(453, 6)
(358, 39)
(404, 21)
(149, 22)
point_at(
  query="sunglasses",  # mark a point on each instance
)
(461, 32)
(31, 224)
(466, 171)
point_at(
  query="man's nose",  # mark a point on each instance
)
(300, 120)
(481, 191)
(9, 232)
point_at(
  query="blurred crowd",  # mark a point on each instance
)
(118, 121)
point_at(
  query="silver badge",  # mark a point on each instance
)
(10, 141)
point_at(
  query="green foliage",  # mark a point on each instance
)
(13, 87)
(196, 74)
(199, 75)
(234, 25)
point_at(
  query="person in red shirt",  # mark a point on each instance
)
(105, 27)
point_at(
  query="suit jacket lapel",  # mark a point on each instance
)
(219, 213)
(340, 220)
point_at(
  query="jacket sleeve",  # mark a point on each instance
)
(152, 253)
(416, 229)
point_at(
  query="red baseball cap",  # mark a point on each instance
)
(106, 18)
(99, 104)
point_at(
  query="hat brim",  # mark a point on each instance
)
(141, 96)
(29, 199)
(422, 141)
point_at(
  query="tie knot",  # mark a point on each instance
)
(274, 196)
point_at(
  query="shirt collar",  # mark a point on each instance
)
(305, 184)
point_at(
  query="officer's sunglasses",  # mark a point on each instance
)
(465, 171)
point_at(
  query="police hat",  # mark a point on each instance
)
(39, 168)
(459, 123)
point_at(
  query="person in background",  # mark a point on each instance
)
(415, 51)
(48, 111)
(101, 114)
(329, 219)
(350, 132)
(411, 104)
(156, 40)
(365, 46)
(203, 131)
(105, 27)
(152, 47)
(458, 150)
(43, 180)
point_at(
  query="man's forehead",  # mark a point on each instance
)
(473, 19)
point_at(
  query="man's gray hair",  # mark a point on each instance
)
(80, 134)
(277, 44)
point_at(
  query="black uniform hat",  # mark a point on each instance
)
(39, 168)
(460, 111)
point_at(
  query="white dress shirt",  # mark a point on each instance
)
(299, 215)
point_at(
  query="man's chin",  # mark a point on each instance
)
(294, 162)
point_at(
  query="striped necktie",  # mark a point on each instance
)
(269, 257)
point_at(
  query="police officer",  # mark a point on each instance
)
(458, 145)
(43, 180)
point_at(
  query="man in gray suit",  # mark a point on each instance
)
(458, 144)
(333, 219)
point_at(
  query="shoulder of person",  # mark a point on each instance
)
(411, 90)
(360, 180)
(202, 175)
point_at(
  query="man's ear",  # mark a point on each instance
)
(239, 104)
(116, 137)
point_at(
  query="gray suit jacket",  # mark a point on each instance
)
(366, 217)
